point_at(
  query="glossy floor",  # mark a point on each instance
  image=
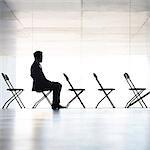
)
(75, 129)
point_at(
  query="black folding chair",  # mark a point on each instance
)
(15, 92)
(77, 92)
(137, 93)
(45, 95)
(106, 92)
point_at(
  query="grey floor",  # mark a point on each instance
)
(75, 129)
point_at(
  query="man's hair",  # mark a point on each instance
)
(37, 54)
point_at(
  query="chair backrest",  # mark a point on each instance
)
(94, 74)
(129, 81)
(126, 75)
(68, 80)
(6, 78)
(66, 76)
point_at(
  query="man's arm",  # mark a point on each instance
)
(37, 73)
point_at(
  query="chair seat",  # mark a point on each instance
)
(15, 89)
(40, 90)
(76, 89)
(137, 89)
(106, 89)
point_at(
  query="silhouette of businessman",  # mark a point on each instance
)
(40, 83)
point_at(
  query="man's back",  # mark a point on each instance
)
(39, 79)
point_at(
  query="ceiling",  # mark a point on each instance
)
(118, 26)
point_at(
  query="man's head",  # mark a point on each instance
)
(38, 56)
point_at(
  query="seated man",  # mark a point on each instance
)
(40, 83)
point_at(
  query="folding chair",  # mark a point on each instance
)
(137, 93)
(77, 92)
(106, 92)
(45, 95)
(15, 92)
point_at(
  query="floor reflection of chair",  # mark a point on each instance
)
(106, 92)
(45, 95)
(15, 93)
(137, 93)
(77, 92)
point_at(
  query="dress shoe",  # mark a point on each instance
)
(60, 107)
(54, 107)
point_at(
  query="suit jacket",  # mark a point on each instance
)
(40, 83)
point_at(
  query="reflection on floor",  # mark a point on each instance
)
(75, 129)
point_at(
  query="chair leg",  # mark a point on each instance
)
(110, 101)
(138, 95)
(15, 97)
(10, 100)
(40, 100)
(132, 99)
(45, 95)
(144, 104)
(142, 101)
(20, 99)
(70, 101)
(77, 96)
(102, 99)
(139, 99)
